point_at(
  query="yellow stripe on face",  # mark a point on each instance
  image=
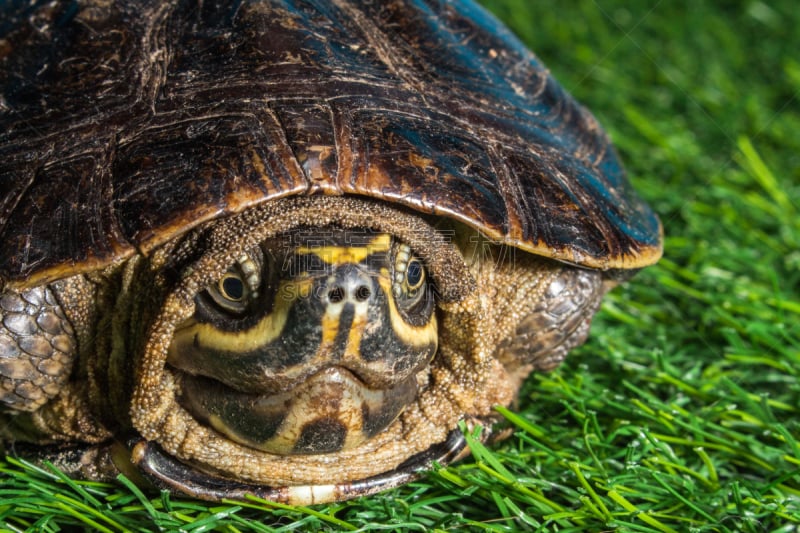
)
(416, 336)
(267, 330)
(353, 347)
(338, 255)
(271, 326)
(330, 326)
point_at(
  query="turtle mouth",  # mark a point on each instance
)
(331, 411)
(168, 472)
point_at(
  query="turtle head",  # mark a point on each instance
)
(310, 343)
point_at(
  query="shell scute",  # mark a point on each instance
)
(129, 123)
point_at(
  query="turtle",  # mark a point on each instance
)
(289, 248)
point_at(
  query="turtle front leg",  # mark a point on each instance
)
(542, 309)
(559, 318)
(37, 348)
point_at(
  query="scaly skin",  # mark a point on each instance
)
(37, 348)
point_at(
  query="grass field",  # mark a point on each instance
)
(682, 412)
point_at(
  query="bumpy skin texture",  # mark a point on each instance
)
(145, 145)
(485, 297)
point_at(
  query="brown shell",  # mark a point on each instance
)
(123, 124)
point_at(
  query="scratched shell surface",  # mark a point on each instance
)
(124, 124)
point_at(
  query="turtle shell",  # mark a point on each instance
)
(124, 124)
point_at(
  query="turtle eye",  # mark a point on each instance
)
(237, 287)
(231, 287)
(409, 277)
(415, 275)
(231, 292)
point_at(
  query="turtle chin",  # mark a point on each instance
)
(331, 411)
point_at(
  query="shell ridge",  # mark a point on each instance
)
(511, 191)
(387, 49)
(345, 148)
(309, 132)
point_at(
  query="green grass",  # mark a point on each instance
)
(682, 412)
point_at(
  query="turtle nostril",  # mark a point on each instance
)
(363, 293)
(336, 295)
